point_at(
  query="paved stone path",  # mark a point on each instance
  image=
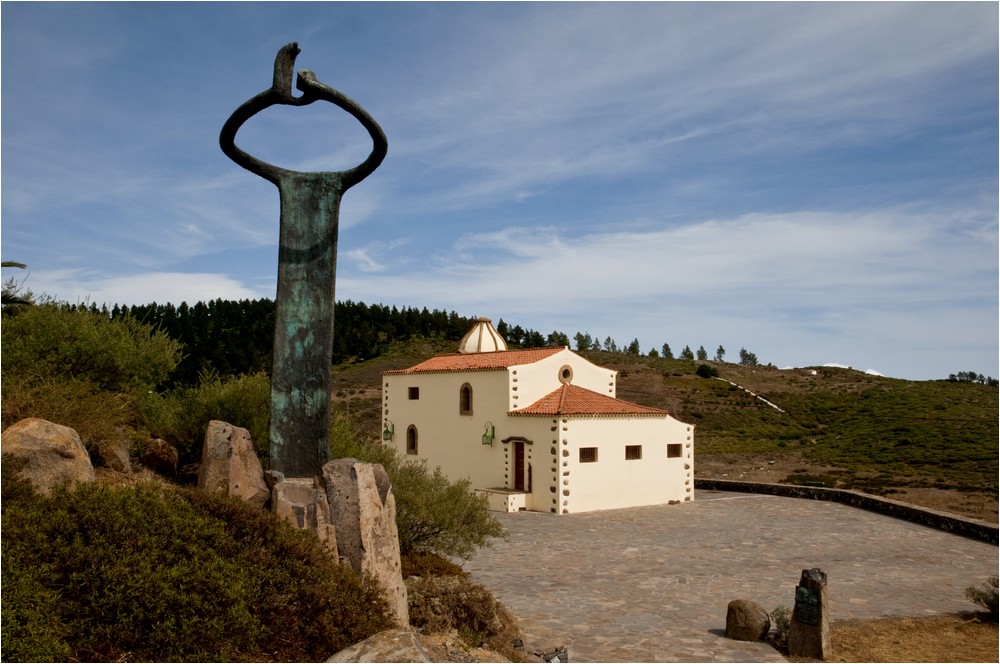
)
(651, 584)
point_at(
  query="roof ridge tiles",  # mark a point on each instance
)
(486, 361)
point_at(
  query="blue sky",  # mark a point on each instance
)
(814, 182)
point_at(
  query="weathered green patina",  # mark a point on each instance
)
(301, 380)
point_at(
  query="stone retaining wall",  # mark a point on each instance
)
(980, 530)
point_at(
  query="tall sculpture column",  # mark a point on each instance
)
(301, 378)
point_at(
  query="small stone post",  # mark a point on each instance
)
(809, 631)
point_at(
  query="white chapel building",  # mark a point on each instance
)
(536, 429)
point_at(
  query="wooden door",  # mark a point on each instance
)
(519, 466)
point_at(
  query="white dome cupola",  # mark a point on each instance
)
(482, 338)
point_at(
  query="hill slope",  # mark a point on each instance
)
(929, 442)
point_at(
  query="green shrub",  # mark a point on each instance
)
(93, 413)
(80, 369)
(421, 563)
(781, 620)
(438, 515)
(52, 341)
(148, 573)
(433, 514)
(706, 371)
(181, 416)
(441, 604)
(985, 595)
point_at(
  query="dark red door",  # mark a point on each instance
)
(519, 466)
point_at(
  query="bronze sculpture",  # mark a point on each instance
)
(301, 378)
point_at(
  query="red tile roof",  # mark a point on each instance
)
(493, 361)
(573, 400)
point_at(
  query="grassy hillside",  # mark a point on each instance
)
(865, 432)
(872, 432)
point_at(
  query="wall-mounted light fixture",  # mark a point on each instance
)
(489, 434)
(389, 431)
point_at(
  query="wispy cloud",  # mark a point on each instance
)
(757, 279)
(143, 288)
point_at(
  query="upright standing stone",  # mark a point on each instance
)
(809, 631)
(230, 466)
(301, 379)
(303, 503)
(363, 511)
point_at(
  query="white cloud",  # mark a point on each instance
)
(162, 287)
(363, 261)
(792, 287)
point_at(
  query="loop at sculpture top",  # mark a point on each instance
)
(280, 93)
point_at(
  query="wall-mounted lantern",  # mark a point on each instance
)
(489, 434)
(389, 430)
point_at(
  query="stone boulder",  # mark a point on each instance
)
(161, 457)
(363, 511)
(747, 621)
(394, 645)
(113, 453)
(51, 454)
(230, 466)
(302, 502)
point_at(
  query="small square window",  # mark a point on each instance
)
(633, 452)
(588, 455)
(674, 451)
(414, 393)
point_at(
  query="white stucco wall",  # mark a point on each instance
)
(445, 437)
(614, 482)
(531, 382)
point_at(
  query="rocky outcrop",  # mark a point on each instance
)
(394, 645)
(400, 645)
(350, 507)
(230, 466)
(50, 454)
(747, 621)
(363, 510)
(161, 457)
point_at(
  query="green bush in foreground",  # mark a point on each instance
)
(147, 573)
(443, 603)
(421, 563)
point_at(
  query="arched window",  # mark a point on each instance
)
(465, 400)
(411, 439)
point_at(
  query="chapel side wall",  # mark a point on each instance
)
(614, 482)
(445, 437)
